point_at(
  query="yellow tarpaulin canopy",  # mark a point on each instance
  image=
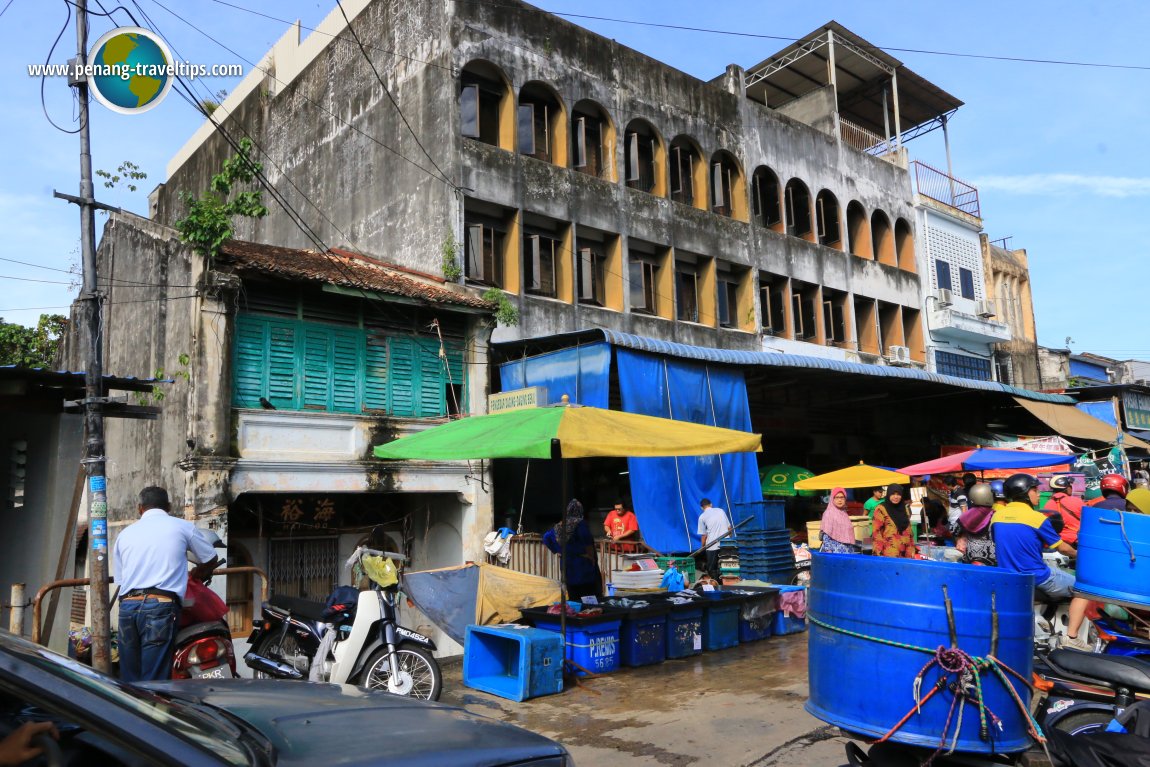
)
(1069, 421)
(861, 475)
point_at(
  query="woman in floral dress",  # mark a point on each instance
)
(838, 533)
(892, 530)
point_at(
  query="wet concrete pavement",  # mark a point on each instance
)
(740, 707)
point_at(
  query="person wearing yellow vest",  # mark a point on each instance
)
(1021, 533)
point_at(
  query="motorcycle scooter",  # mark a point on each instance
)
(1084, 691)
(204, 640)
(350, 640)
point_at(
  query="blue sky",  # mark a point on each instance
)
(1058, 152)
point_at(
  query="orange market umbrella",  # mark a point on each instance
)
(860, 475)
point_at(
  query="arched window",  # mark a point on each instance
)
(883, 239)
(766, 203)
(688, 182)
(858, 230)
(904, 245)
(828, 227)
(486, 105)
(643, 159)
(592, 141)
(541, 127)
(798, 207)
(728, 188)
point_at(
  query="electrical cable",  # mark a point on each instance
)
(879, 48)
(394, 103)
(6, 7)
(453, 70)
(43, 77)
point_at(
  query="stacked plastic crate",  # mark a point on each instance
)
(764, 543)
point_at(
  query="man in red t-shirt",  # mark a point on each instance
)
(621, 526)
(1068, 506)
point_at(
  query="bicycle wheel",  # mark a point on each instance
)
(419, 675)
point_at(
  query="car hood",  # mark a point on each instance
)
(339, 724)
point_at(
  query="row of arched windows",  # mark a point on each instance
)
(536, 124)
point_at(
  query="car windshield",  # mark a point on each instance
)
(201, 725)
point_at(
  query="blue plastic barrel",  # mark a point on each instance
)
(866, 687)
(1105, 566)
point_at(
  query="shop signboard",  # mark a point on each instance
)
(1136, 410)
(517, 399)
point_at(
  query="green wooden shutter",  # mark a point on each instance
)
(317, 343)
(376, 378)
(458, 373)
(431, 380)
(249, 366)
(346, 367)
(402, 369)
(281, 365)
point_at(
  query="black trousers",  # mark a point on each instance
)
(712, 565)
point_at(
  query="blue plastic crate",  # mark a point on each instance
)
(592, 643)
(767, 515)
(513, 663)
(721, 624)
(753, 631)
(785, 624)
(684, 630)
(643, 636)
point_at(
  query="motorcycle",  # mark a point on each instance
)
(1120, 637)
(204, 640)
(353, 638)
(1084, 691)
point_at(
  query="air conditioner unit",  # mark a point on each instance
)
(944, 297)
(985, 310)
(898, 355)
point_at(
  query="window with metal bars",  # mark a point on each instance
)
(305, 568)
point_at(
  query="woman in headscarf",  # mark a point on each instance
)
(838, 532)
(581, 567)
(973, 527)
(892, 531)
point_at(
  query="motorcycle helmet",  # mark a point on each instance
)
(1061, 484)
(980, 494)
(1017, 487)
(1115, 483)
(999, 493)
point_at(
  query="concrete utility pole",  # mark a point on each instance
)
(94, 373)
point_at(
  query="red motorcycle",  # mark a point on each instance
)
(204, 642)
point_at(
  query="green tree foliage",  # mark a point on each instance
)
(208, 222)
(32, 347)
(128, 172)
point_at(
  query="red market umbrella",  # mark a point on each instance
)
(987, 459)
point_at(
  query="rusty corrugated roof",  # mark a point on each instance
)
(341, 267)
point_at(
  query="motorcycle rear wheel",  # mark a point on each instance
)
(285, 650)
(426, 678)
(1084, 722)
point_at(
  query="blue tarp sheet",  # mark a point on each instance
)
(666, 491)
(1103, 411)
(581, 372)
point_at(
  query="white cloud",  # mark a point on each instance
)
(1060, 184)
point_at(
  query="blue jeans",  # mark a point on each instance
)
(147, 638)
(1058, 585)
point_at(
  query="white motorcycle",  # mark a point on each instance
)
(352, 639)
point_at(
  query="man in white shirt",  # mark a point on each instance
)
(713, 525)
(150, 559)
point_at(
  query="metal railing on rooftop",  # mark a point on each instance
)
(942, 187)
(867, 141)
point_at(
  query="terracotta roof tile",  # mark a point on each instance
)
(341, 267)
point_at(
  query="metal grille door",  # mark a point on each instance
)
(307, 568)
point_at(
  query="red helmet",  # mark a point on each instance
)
(1115, 483)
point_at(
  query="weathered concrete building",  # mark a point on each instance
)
(769, 209)
(286, 366)
(1008, 294)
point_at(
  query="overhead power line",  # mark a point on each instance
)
(783, 38)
